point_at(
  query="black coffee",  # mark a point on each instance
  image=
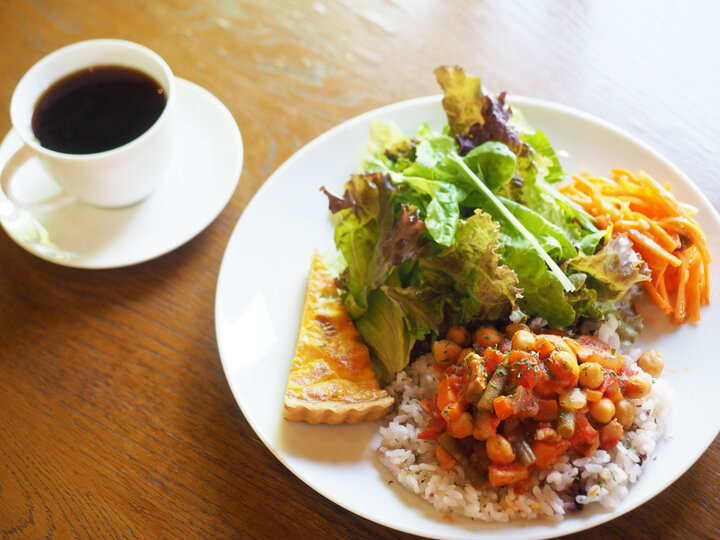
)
(97, 109)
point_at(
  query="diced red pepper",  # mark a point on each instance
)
(430, 434)
(447, 391)
(434, 429)
(612, 385)
(493, 358)
(525, 404)
(456, 382)
(586, 438)
(521, 404)
(547, 410)
(524, 369)
(544, 347)
(503, 475)
(503, 407)
(547, 453)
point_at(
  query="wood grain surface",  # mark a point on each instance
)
(116, 420)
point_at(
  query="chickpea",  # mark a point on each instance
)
(591, 375)
(610, 434)
(460, 335)
(572, 399)
(523, 340)
(499, 450)
(637, 387)
(651, 362)
(546, 434)
(562, 345)
(625, 413)
(488, 336)
(603, 410)
(564, 368)
(614, 361)
(445, 350)
(566, 423)
(511, 328)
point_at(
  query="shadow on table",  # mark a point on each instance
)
(325, 443)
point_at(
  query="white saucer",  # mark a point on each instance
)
(198, 185)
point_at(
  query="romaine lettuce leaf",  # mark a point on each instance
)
(388, 334)
(551, 237)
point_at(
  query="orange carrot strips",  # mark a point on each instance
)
(662, 230)
(680, 313)
(649, 248)
(694, 286)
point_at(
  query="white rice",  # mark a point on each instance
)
(603, 478)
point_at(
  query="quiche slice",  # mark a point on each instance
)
(330, 378)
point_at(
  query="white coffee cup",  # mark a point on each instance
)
(117, 177)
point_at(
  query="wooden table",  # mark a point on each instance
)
(115, 416)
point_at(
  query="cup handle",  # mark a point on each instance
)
(17, 160)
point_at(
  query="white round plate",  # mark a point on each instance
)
(198, 184)
(259, 300)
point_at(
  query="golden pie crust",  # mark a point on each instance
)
(330, 378)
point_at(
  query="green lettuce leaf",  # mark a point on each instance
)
(371, 237)
(614, 269)
(611, 279)
(464, 283)
(388, 334)
(495, 163)
(462, 100)
(472, 267)
(551, 237)
(542, 293)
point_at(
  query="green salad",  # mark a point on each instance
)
(464, 226)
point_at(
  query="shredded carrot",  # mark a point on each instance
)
(680, 312)
(694, 280)
(662, 230)
(650, 250)
(667, 241)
